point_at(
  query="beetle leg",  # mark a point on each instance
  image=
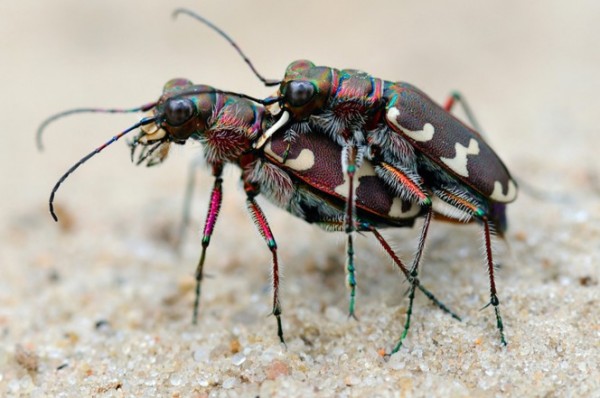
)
(404, 183)
(407, 185)
(386, 246)
(337, 225)
(457, 97)
(412, 276)
(214, 207)
(151, 156)
(350, 154)
(493, 294)
(290, 136)
(467, 207)
(265, 231)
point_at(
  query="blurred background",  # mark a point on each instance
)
(528, 69)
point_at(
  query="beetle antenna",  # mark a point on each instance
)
(142, 122)
(53, 118)
(265, 102)
(266, 82)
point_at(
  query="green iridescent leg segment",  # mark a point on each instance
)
(351, 276)
(411, 298)
(414, 278)
(411, 275)
(349, 226)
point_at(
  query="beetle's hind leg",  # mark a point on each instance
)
(493, 293)
(460, 204)
(388, 249)
(457, 98)
(408, 185)
(412, 276)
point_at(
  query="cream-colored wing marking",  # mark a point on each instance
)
(304, 161)
(498, 193)
(418, 135)
(458, 163)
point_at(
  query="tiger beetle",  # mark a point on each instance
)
(422, 152)
(402, 157)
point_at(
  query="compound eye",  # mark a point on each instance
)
(178, 111)
(299, 92)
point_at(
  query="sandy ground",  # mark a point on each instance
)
(100, 304)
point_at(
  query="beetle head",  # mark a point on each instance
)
(305, 89)
(181, 113)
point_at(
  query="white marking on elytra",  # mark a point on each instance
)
(418, 135)
(365, 170)
(498, 193)
(304, 161)
(285, 116)
(458, 164)
(397, 212)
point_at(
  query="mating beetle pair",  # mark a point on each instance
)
(340, 149)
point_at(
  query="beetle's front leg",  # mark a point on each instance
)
(214, 207)
(349, 160)
(265, 231)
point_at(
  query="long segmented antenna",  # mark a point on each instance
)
(266, 82)
(142, 122)
(143, 108)
(53, 118)
(192, 91)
